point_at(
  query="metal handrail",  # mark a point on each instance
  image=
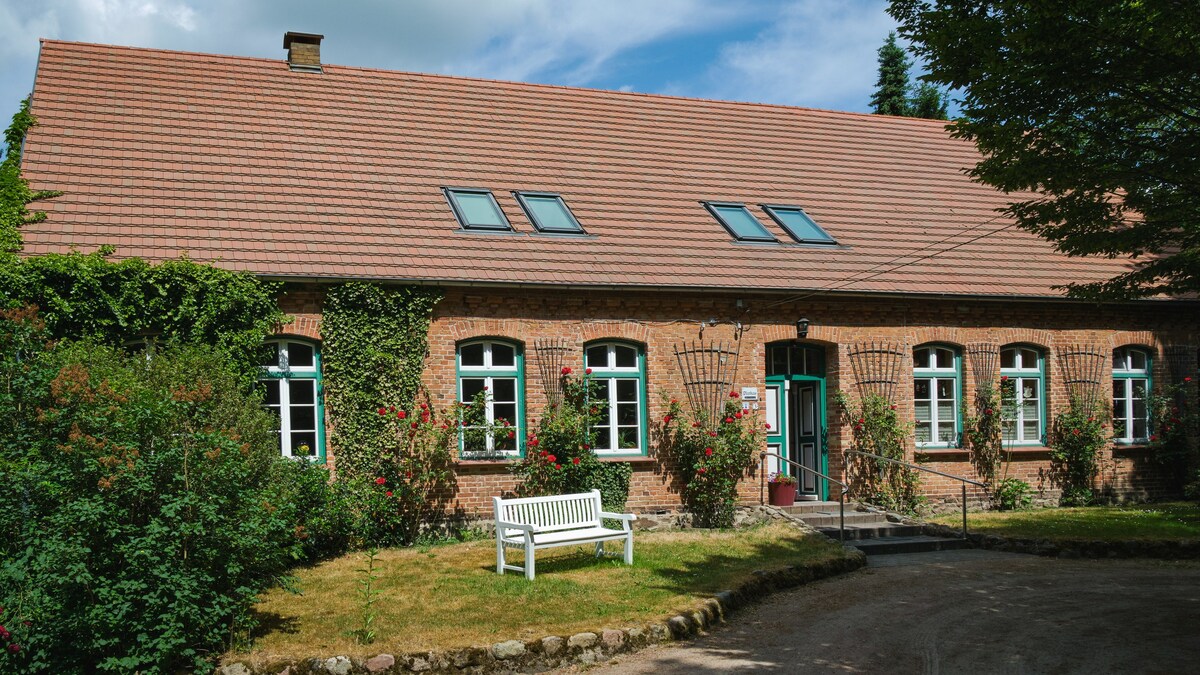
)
(762, 461)
(918, 467)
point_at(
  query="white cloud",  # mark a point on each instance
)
(816, 54)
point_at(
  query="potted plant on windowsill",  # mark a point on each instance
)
(781, 489)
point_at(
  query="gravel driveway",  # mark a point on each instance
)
(959, 612)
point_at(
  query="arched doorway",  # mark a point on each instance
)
(795, 409)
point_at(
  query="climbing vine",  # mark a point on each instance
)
(1077, 439)
(876, 429)
(15, 194)
(375, 340)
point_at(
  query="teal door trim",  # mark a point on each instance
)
(784, 404)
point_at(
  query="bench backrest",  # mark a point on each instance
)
(557, 512)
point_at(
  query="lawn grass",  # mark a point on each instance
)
(447, 597)
(1167, 521)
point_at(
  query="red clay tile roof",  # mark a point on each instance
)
(241, 162)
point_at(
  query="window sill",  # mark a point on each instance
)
(1131, 447)
(939, 452)
(608, 459)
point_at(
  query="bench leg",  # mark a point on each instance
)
(499, 556)
(629, 549)
(599, 549)
(529, 560)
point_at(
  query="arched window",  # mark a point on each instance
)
(1131, 389)
(618, 377)
(936, 385)
(1023, 394)
(497, 367)
(291, 385)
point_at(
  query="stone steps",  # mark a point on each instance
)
(870, 531)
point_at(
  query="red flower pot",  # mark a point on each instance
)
(781, 494)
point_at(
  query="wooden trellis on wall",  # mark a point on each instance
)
(1181, 362)
(709, 372)
(1083, 373)
(984, 360)
(877, 367)
(551, 355)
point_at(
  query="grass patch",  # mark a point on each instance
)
(1168, 521)
(445, 597)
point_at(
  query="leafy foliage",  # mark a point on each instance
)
(983, 434)
(1093, 106)
(374, 351)
(1012, 494)
(15, 195)
(560, 458)
(1173, 423)
(711, 456)
(148, 522)
(1078, 437)
(877, 429)
(891, 89)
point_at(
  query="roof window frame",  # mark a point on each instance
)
(712, 207)
(770, 209)
(529, 212)
(460, 216)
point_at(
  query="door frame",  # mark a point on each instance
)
(782, 382)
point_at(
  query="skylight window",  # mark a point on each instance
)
(739, 221)
(476, 209)
(548, 212)
(797, 223)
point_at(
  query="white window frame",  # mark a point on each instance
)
(1126, 375)
(611, 375)
(489, 373)
(936, 372)
(1019, 374)
(283, 372)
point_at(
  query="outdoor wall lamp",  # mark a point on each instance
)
(801, 329)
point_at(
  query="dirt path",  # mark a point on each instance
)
(960, 612)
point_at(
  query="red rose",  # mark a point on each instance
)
(391, 408)
(1187, 379)
(533, 442)
(512, 434)
(408, 474)
(767, 425)
(400, 414)
(382, 411)
(701, 470)
(558, 467)
(728, 420)
(738, 415)
(485, 388)
(413, 425)
(388, 493)
(666, 419)
(566, 370)
(551, 458)
(893, 407)
(708, 452)
(543, 453)
(1004, 378)
(713, 434)
(424, 406)
(695, 424)
(576, 460)
(14, 648)
(380, 481)
(862, 420)
(587, 371)
(987, 411)
(734, 394)
(585, 446)
(674, 401)
(1153, 437)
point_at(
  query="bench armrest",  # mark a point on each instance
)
(516, 526)
(618, 516)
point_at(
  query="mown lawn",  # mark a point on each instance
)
(450, 596)
(1167, 521)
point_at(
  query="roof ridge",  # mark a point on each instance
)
(516, 83)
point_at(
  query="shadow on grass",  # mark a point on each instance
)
(266, 623)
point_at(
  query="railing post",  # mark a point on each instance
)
(762, 478)
(964, 502)
(842, 517)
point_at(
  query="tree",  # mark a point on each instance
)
(928, 102)
(1094, 105)
(891, 90)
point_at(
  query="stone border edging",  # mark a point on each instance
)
(1154, 548)
(514, 656)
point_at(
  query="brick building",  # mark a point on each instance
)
(822, 251)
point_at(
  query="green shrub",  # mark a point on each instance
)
(141, 518)
(876, 429)
(1077, 438)
(1012, 494)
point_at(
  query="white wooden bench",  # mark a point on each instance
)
(533, 523)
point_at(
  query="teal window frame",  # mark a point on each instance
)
(612, 374)
(284, 372)
(775, 211)
(715, 209)
(1019, 375)
(1125, 376)
(489, 373)
(934, 373)
(460, 214)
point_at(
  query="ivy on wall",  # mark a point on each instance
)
(375, 340)
(88, 296)
(15, 194)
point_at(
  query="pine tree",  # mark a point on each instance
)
(928, 102)
(891, 91)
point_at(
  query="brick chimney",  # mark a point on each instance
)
(304, 51)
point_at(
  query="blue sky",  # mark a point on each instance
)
(816, 53)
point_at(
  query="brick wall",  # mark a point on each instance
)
(662, 320)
